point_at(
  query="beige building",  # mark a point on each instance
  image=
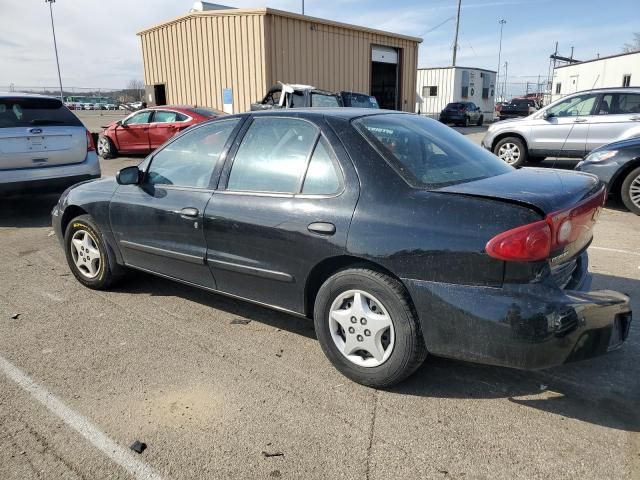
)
(214, 57)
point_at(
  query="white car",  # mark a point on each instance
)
(43, 146)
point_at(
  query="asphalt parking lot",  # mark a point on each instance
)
(218, 388)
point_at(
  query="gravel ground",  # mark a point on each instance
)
(84, 374)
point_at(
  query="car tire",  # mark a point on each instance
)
(480, 121)
(511, 150)
(630, 191)
(106, 148)
(393, 331)
(466, 122)
(91, 261)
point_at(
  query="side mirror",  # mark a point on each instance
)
(547, 115)
(128, 176)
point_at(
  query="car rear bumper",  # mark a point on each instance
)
(48, 179)
(530, 326)
(456, 117)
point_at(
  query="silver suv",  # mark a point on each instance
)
(43, 146)
(569, 127)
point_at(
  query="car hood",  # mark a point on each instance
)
(630, 143)
(544, 189)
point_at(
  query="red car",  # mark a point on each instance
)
(145, 130)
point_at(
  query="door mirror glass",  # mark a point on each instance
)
(128, 176)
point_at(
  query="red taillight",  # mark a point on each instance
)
(91, 147)
(535, 241)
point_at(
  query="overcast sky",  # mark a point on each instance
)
(98, 45)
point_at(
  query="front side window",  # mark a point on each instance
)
(273, 156)
(322, 100)
(426, 153)
(138, 118)
(189, 160)
(573, 107)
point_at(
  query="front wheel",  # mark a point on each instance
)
(88, 257)
(512, 151)
(466, 122)
(367, 328)
(480, 121)
(630, 191)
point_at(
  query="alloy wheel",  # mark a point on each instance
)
(634, 191)
(103, 146)
(86, 254)
(509, 152)
(361, 328)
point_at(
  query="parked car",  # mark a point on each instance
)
(618, 165)
(569, 127)
(43, 146)
(462, 113)
(286, 95)
(518, 107)
(145, 130)
(358, 100)
(396, 234)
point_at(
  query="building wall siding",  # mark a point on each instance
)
(200, 55)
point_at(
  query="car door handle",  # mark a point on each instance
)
(580, 120)
(188, 212)
(323, 228)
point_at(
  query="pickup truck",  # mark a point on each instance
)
(286, 95)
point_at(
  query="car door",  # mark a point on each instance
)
(164, 125)
(159, 223)
(132, 135)
(564, 130)
(284, 204)
(617, 117)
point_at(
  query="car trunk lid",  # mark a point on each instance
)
(41, 146)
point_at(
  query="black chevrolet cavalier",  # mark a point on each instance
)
(397, 235)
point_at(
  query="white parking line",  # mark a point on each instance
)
(83, 426)
(616, 250)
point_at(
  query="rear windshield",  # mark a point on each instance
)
(322, 100)
(455, 105)
(27, 112)
(426, 153)
(206, 112)
(521, 103)
(359, 100)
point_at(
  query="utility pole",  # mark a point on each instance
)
(303, 7)
(504, 91)
(501, 22)
(55, 46)
(455, 42)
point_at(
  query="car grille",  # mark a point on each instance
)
(563, 274)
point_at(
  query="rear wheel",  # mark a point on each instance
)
(106, 148)
(367, 328)
(630, 191)
(512, 151)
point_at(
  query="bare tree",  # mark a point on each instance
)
(634, 45)
(136, 88)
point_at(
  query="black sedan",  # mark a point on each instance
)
(462, 113)
(618, 165)
(397, 235)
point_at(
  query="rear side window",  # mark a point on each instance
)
(273, 156)
(322, 100)
(426, 153)
(619, 103)
(322, 177)
(28, 112)
(162, 116)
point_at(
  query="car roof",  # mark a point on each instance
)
(347, 113)
(26, 95)
(609, 89)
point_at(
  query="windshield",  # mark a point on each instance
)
(27, 112)
(426, 153)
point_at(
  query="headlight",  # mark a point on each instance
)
(600, 156)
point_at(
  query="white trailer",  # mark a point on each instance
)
(442, 85)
